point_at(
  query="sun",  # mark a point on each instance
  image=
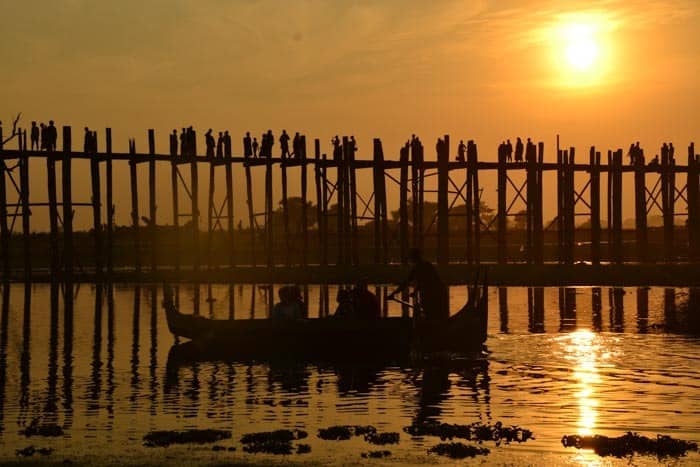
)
(581, 46)
(581, 49)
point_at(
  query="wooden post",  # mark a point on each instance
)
(340, 196)
(320, 201)
(403, 205)
(285, 214)
(53, 211)
(269, 245)
(96, 211)
(352, 195)
(67, 204)
(229, 216)
(502, 223)
(381, 243)
(251, 212)
(560, 205)
(152, 226)
(538, 232)
(4, 231)
(133, 176)
(617, 206)
(194, 197)
(26, 210)
(640, 208)
(210, 214)
(570, 207)
(594, 161)
(476, 210)
(534, 205)
(176, 209)
(693, 188)
(304, 207)
(668, 194)
(443, 249)
(109, 201)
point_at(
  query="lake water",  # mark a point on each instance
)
(558, 362)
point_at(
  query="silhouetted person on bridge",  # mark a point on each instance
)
(654, 162)
(52, 136)
(284, 144)
(671, 151)
(471, 150)
(353, 146)
(43, 134)
(227, 144)
(530, 151)
(254, 146)
(519, 150)
(34, 136)
(509, 151)
(183, 142)
(631, 154)
(220, 146)
(461, 151)
(247, 145)
(210, 143)
(173, 143)
(337, 151)
(432, 292)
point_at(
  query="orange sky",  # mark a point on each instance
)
(474, 69)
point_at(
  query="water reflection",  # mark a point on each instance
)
(583, 350)
(102, 368)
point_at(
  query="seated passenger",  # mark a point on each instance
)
(345, 308)
(290, 305)
(365, 303)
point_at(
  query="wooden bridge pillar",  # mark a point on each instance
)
(96, 201)
(640, 209)
(476, 205)
(352, 195)
(133, 177)
(153, 225)
(229, 215)
(285, 214)
(533, 202)
(211, 260)
(25, 205)
(403, 203)
(443, 232)
(615, 206)
(109, 201)
(668, 196)
(595, 205)
(194, 198)
(68, 253)
(4, 230)
(693, 189)
(381, 241)
(320, 203)
(502, 225)
(538, 219)
(53, 212)
(175, 254)
(304, 208)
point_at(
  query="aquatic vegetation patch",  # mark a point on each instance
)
(473, 432)
(376, 454)
(275, 442)
(277, 435)
(382, 438)
(631, 443)
(29, 451)
(166, 438)
(344, 432)
(274, 403)
(303, 449)
(36, 428)
(457, 450)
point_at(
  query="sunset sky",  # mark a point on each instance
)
(597, 73)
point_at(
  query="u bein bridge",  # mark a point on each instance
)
(353, 235)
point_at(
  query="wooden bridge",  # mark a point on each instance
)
(353, 231)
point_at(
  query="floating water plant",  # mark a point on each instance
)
(382, 438)
(631, 443)
(166, 438)
(458, 450)
(274, 442)
(474, 432)
(376, 454)
(35, 428)
(343, 432)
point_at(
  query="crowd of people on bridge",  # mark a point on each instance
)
(43, 137)
(521, 152)
(636, 155)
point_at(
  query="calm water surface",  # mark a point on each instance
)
(574, 361)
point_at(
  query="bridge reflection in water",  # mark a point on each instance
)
(99, 362)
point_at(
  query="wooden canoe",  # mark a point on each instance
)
(463, 332)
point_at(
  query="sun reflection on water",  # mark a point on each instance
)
(583, 348)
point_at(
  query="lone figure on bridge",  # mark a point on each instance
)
(432, 292)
